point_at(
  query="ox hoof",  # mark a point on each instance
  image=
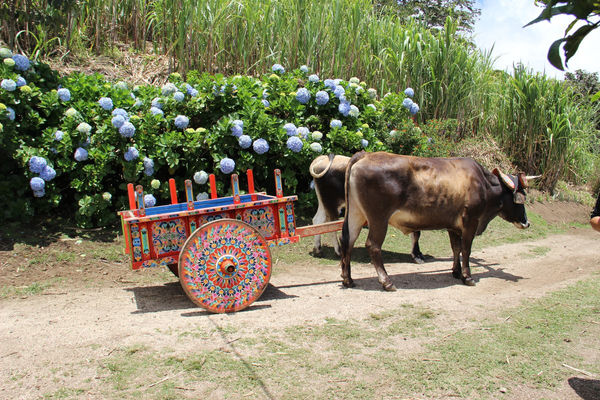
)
(316, 253)
(418, 259)
(456, 275)
(469, 281)
(348, 283)
(389, 287)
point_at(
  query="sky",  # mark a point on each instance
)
(501, 26)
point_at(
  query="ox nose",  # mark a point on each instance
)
(522, 225)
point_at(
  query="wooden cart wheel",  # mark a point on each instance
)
(225, 265)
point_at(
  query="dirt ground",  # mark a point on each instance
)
(99, 305)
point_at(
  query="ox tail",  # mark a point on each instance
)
(344, 242)
(318, 175)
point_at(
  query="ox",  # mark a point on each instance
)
(414, 193)
(329, 174)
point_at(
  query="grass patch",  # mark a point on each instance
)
(30, 290)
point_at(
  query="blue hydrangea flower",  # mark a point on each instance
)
(314, 78)
(354, 111)
(37, 164)
(316, 147)
(322, 97)
(84, 128)
(290, 129)
(237, 129)
(58, 135)
(265, 94)
(178, 96)
(303, 95)
(118, 121)
(81, 154)
(149, 200)
(148, 162)
(121, 112)
(414, 108)
(85, 143)
(37, 184)
(181, 121)
(8, 84)
(131, 154)
(168, 88)
(260, 146)
(303, 132)
(188, 88)
(337, 81)
(200, 177)
(156, 102)
(344, 108)
(409, 92)
(407, 103)
(266, 103)
(121, 85)
(238, 122)
(106, 103)
(138, 103)
(335, 123)
(11, 113)
(330, 84)
(359, 90)
(21, 81)
(202, 196)
(278, 68)
(227, 165)
(339, 91)
(48, 173)
(193, 93)
(245, 141)
(372, 93)
(295, 144)
(127, 130)
(372, 106)
(21, 62)
(64, 94)
(156, 111)
(39, 193)
(304, 69)
(364, 143)
(149, 171)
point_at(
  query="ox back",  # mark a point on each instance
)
(413, 194)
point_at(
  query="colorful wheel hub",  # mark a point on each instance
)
(225, 266)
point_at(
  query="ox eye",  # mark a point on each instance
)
(519, 198)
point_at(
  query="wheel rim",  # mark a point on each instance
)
(225, 265)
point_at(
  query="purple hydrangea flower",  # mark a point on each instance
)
(260, 146)
(148, 162)
(295, 144)
(189, 88)
(131, 154)
(126, 130)
(409, 92)
(106, 103)
(290, 129)
(303, 95)
(178, 96)
(21, 81)
(407, 103)
(81, 154)
(21, 62)
(303, 132)
(156, 111)
(37, 184)
(48, 173)
(64, 94)
(193, 93)
(335, 123)
(339, 91)
(414, 108)
(181, 121)
(344, 108)
(118, 121)
(330, 84)
(149, 200)
(245, 141)
(278, 68)
(227, 165)
(58, 135)
(37, 164)
(8, 84)
(11, 113)
(314, 78)
(322, 97)
(121, 112)
(149, 171)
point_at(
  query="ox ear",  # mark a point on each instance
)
(523, 180)
(504, 178)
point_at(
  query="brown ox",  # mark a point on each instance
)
(414, 193)
(329, 174)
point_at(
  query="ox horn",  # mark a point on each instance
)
(532, 177)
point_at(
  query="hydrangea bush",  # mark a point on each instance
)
(95, 136)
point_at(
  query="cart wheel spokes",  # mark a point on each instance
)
(225, 265)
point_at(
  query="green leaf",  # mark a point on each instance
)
(554, 54)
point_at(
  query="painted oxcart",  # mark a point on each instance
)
(218, 247)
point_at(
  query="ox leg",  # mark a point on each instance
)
(374, 241)
(352, 226)
(416, 251)
(466, 242)
(319, 218)
(455, 242)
